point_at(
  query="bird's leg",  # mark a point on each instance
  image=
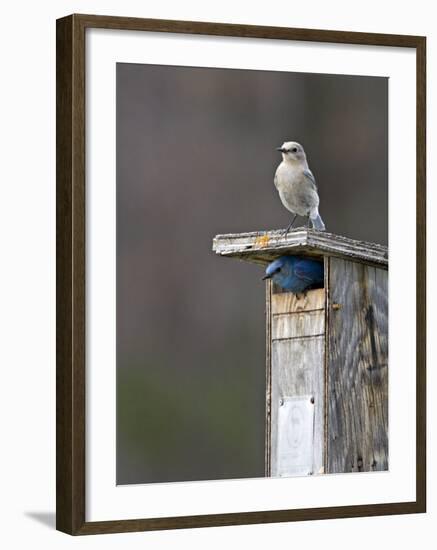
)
(291, 224)
(308, 223)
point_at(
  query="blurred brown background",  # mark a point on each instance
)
(196, 157)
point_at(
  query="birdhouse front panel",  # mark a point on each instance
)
(297, 382)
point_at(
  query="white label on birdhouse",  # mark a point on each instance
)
(295, 436)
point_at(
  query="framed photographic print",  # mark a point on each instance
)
(196, 390)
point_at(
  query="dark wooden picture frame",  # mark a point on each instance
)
(70, 275)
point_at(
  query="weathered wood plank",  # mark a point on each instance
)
(357, 385)
(297, 370)
(299, 324)
(286, 302)
(264, 246)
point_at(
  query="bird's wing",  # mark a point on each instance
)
(308, 270)
(310, 176)
(275, 181)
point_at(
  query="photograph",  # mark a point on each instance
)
(274, 365)
(233, 347)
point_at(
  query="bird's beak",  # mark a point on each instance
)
(266, 277)
(280, 149)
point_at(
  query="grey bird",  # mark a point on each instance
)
(297, 186)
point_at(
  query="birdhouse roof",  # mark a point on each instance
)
(262, 247)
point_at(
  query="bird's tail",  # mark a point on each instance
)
(318, 223)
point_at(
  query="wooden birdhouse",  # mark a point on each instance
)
(326, 356)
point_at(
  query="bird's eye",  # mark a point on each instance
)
(277, 270)
(294, 149)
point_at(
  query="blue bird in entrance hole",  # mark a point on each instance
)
(295, 273)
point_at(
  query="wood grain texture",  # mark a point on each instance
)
(64, 374)
(357, 386)
(286, 302)
(421, 463)
(70, 335)
(262, 247)
(70, 277)
(297, 365)
(248, 31)
(298, 324)
(245, 518)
